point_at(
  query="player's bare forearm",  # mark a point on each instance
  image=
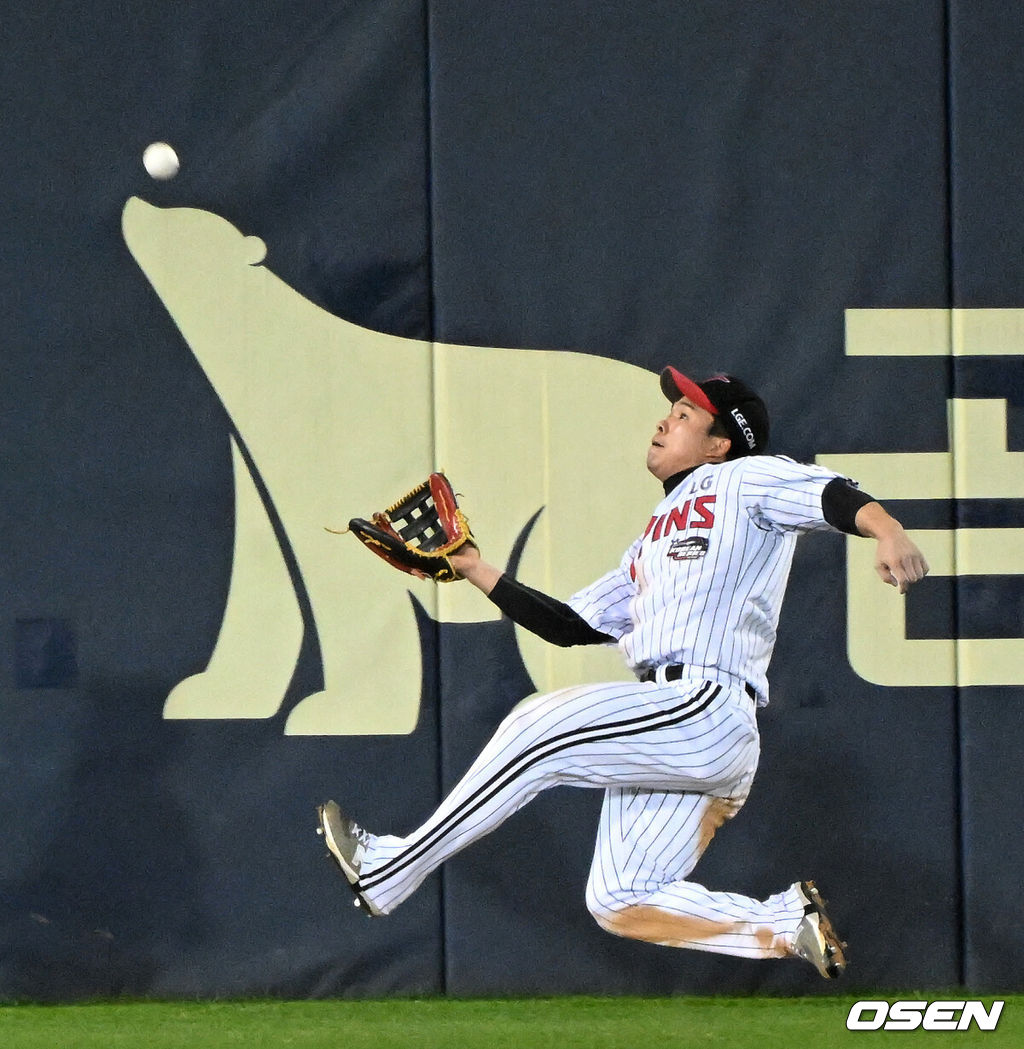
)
(898, 561)
(472, 567)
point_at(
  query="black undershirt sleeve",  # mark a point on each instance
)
(840, 501)
(548, 618)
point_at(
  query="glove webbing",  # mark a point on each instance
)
(420, 524)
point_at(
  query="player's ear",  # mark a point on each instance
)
(718, 448)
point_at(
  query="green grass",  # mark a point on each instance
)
(555, 1023)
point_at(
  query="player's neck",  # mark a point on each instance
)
(673, 482)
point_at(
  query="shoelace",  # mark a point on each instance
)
(361, 836)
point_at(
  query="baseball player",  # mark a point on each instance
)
(693, 607)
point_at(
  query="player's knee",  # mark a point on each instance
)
(606, 905)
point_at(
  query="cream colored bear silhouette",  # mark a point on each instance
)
(339, 421)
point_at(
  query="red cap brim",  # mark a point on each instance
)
(675, 385)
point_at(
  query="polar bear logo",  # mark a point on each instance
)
(335, 421)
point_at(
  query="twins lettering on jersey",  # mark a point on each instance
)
(696, 513)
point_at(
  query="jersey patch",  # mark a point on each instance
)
(688, 549)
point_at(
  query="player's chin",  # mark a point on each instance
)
(654, 460)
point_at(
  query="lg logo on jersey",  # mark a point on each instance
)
(929, 1016)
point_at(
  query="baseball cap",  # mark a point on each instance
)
(742, 411)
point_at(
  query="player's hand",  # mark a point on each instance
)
(898, 561)
(465, 559)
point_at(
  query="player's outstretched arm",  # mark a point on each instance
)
(545, 616)
(898, 561)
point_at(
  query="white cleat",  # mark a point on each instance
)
(816, 941)
(346, 842)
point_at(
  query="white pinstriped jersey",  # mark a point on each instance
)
(703, 586)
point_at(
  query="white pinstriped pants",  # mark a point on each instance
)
(675, 759)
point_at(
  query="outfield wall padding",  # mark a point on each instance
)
(538, 207)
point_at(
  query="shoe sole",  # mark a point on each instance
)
(351, 874)
(835, 959)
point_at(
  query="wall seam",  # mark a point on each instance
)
(958, 726)
(428, 172)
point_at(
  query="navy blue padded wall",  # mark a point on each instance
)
(143, 856)
(713, 186)
(986, 84)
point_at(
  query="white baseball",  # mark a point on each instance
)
(160, 160)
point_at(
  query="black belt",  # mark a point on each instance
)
(674, 671)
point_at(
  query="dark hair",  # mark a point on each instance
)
(719, 429)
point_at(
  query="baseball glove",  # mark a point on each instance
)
(417, 533)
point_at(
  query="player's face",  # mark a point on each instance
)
(682, 441)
